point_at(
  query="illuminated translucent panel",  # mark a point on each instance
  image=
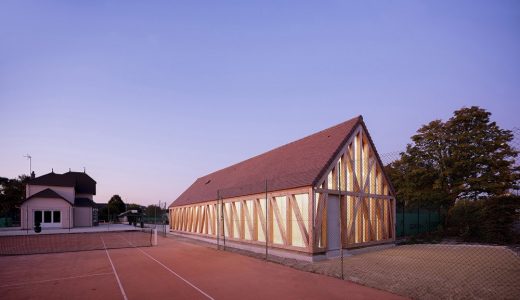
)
(281, 203)
(227, 215)
(249, 212)
(297, 236)
(237, 219)
(261, 235)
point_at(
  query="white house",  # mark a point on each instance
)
(59, 201)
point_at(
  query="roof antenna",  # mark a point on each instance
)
(30, 162)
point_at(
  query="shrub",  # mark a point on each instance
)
(498, 217)
(464, 218)
(488, 220)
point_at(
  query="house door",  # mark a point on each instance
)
(47, 218)
(333, 230)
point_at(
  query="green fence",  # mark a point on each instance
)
(156, 220)
(412, 221)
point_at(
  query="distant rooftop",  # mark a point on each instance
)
(82, 183)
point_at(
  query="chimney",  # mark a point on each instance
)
(52, 170)
(33, 175)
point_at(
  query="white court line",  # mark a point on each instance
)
(114, 269)
(179, 276)
(54, 279)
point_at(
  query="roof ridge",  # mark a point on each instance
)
(359, 117)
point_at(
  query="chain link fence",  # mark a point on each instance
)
(472, 257)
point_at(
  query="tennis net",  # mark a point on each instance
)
(71, 242)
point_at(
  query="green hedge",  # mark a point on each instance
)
(488, 220)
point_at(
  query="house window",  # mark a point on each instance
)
(47, 216)
(56, 216)
(37, 216)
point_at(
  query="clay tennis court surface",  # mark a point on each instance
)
(172, 270)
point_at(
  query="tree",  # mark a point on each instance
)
(116, 206)
(482, 160)
(467, 157)
(12, 194)
(153, 210)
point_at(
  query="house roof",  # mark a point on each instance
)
(84, 202)
(47, 193)
(82, 183)
(297, 164)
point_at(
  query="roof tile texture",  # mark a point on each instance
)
(297, 164)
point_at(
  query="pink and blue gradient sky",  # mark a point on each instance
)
(150, 95)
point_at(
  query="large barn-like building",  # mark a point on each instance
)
(309, 197)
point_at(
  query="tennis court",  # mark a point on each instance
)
(171, 270)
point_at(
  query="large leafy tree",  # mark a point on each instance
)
(12, 194)
(466, 157)
(116, 205)
(482, 160)
(153, 211)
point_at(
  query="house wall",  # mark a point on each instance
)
(88, 196)
(66, 192)
(367, 204)
(82, 216)
(28, 207)
(286, 218)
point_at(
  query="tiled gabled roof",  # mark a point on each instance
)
(297, 164)
(82, 183)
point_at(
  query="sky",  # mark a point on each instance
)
(150, 95)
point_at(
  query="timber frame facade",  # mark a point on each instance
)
(351, 202)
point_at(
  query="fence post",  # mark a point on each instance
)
(266, 224)
(418, 217)
(428, 220)
(404, 223)
(218, 220)
(222, 207)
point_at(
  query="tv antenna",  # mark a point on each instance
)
(30, 162)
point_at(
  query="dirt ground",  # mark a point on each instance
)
(426, 271)
(435, 271)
